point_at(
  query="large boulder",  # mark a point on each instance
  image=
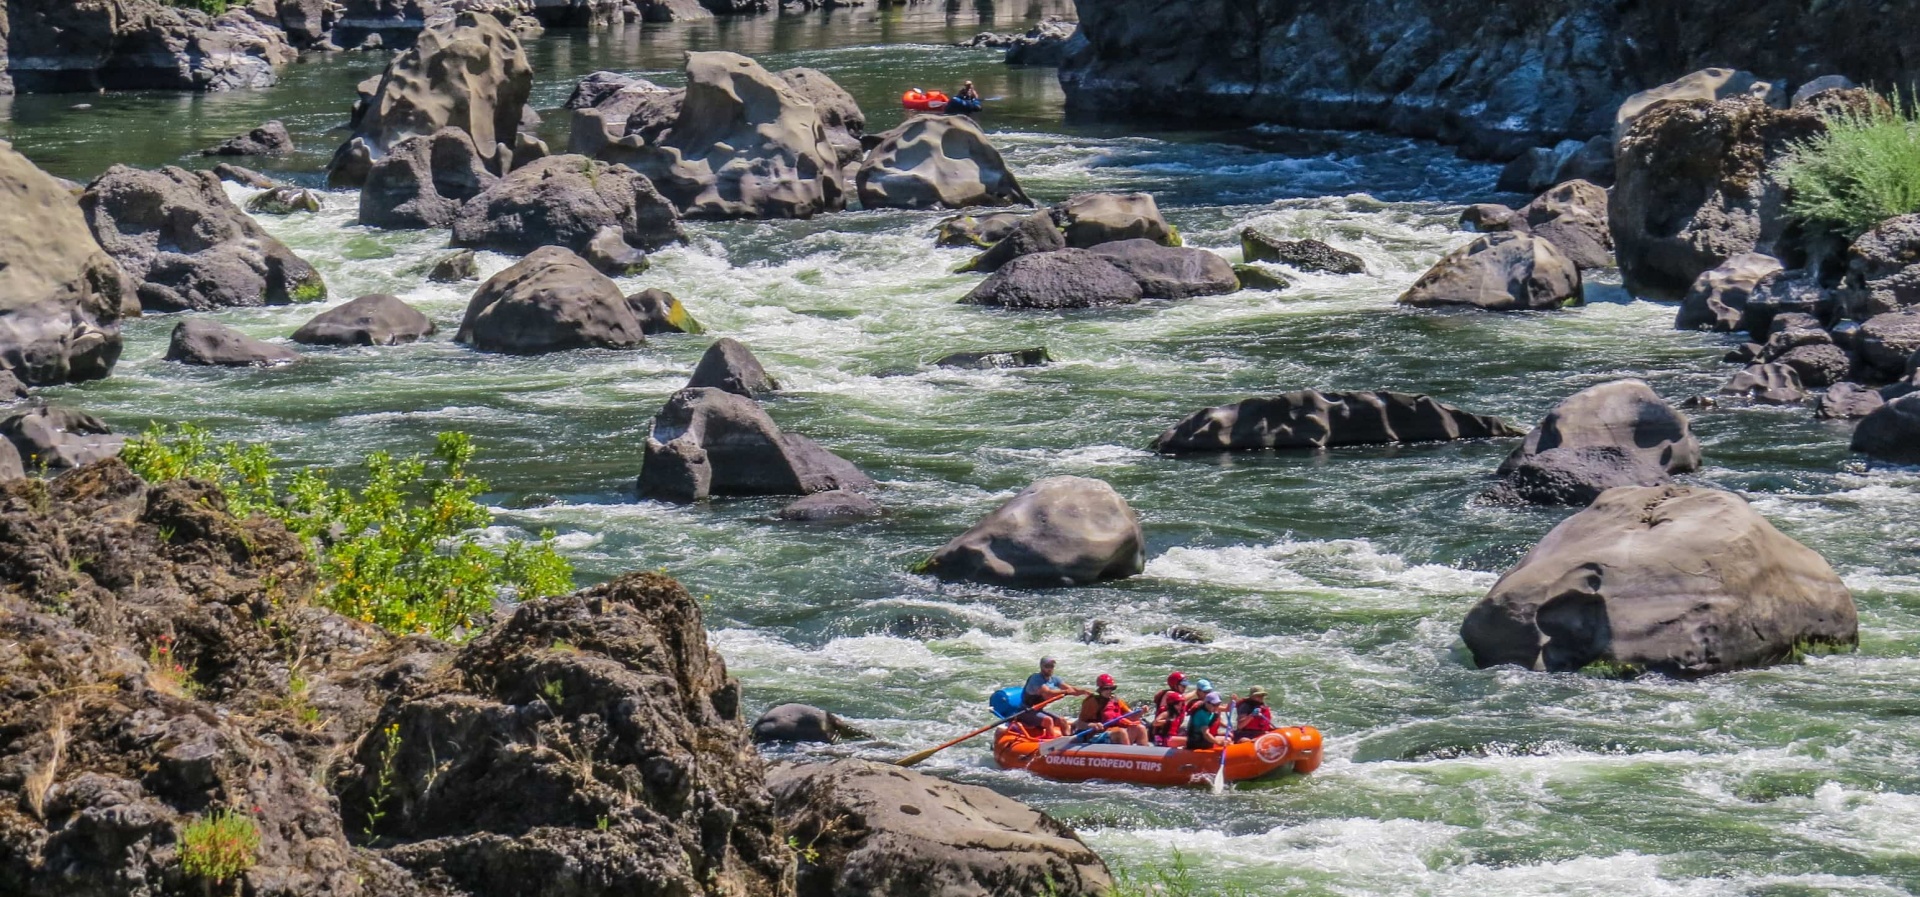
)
(936, 161)
(1667, 579)
(707, 442)
(550, 301)
(590, 745)
(567, 201)
(1090, 219)
(1060, 531)
(743, 145)
(1887, 342)
(846, 125)
(188, 247)
(1067, 278)
(1883, 269)
(50, 437)
(798, 723)
(924, 836)
(1719, 296)
(1025, 236)
(199, 341)
(62, 45)
(422, 181)
(1506, 271)
(1890, 431)
(1697, 187)
(1614, 434)
(1170, 272)
(1573, 217)
(372, 320)
(467, 72)
(1311, 419)
(61, 297)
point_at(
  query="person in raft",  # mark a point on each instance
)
(1204, 723)
(1102, 708)
(1254, 717)
(968, 94)
(1170, 708)
(1041, 686)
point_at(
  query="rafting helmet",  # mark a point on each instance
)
(1105, 681)
(1204, 686)
(1175, 678)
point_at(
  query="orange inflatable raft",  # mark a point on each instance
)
(917, 100)
(1294, 749)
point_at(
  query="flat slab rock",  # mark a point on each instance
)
(1310, 419)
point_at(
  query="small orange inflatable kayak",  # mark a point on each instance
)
(1295, 749)
(917, 100)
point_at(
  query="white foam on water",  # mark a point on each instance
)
(1350, 567)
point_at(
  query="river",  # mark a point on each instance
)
(1338, 580)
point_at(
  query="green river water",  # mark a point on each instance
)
(1338, 580)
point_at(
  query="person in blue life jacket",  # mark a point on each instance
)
(1041, 686)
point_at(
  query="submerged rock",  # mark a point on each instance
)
(1304, 255)
(924, 836)
(1499, 272)
(550, 301)
(798, 723)
(270, 139)
(1668, 579)
(1614, 434)
(996, 359)
(61, 296)
(188, 247)
(1310, 419)
(837, 506)
(373, 320)
(708, 442)
(1060, 531)
(1067, 278)
(199, 341)
(936, 161)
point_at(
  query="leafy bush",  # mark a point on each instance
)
(1864, 170)
(218, 848)
(210, 7)
(1172, 880)
(400, 551)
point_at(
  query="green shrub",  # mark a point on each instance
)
(218, 848)
(400, 551)
(1172, 880)
(1864, 170)
(210, 7)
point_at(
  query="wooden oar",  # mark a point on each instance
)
(915, 759)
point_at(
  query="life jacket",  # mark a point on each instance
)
(1255, 719)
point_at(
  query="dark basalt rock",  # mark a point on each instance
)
(708, 442)
(270, 139)
(372, 320)
(996, 359)
(1499, 272)
(1845, 401)
(199, 341)
(50, 437)
(1067, 278)
(1026, 235)
(1890, 432)
(1613, 434)
(1170, 272)
(1766, 384)
(661, 312)
(1310, 419)
(799, 723)
(1304, 255)
(462, 265)
(551, 301)
(731, 367)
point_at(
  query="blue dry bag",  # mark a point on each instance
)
(1008, 701)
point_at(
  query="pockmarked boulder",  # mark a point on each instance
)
(1067, 278)
(846, 125)
(52, 437)
(550, 301)
(1890, 432)
(1613, 434)
(422, 181)
(1573, 217)
(188, 247)
(1090, 219)
(467, 72)
(1719, 296)
(567, 201)
(925, 836)
(1311, 419)
(730, 366)
(936, 161)
(743, 145)
(707, 442)
(372, 320)
(270, 139)
(1170, 272)
(1025, 236)
(1499, 272)
(1668, 579)
(61, 296)
(798, 724)
(1305, 255)
(199, 341)
(635, 112)
(1060, 531)
(1883, 269)
(1697, 186)
(1767, 383)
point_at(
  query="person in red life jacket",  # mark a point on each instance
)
(1255, 718)
(1169, 708)
(1102, 708)
(1204, 724)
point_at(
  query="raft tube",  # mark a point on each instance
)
(917, 100)
(1295, 749)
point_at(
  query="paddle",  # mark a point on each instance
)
(914, 759)
(1220, 774)
(1084, 734)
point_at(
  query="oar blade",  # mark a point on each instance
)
(916, 759)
